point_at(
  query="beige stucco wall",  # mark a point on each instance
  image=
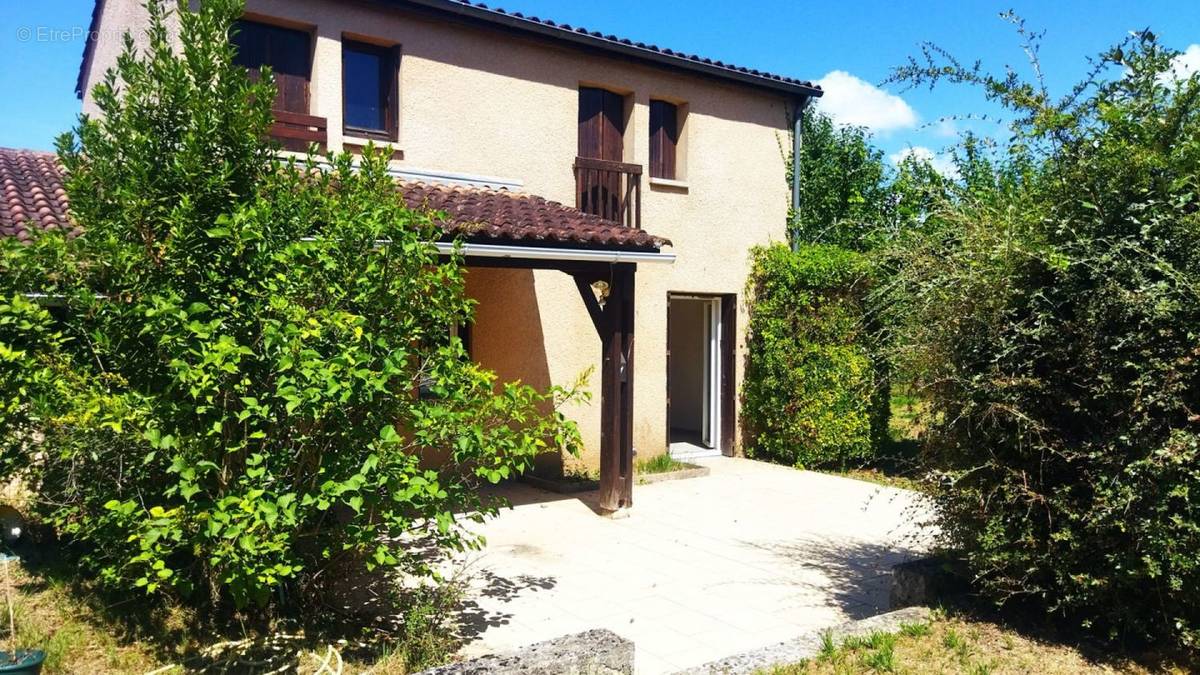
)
(484, 102)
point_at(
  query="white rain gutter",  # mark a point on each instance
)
(546, 253)
(478, 251)
(541, 252)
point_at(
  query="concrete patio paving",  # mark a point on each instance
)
(701, 569)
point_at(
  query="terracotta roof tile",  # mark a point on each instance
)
(32, 197)
(31, 193)
(498, 216)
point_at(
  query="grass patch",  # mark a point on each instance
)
(663, 463)
(74, 637)
(951, 644)
(83, 630)
(882, 477)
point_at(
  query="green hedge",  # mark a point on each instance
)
(1053, 320)
(810, 397)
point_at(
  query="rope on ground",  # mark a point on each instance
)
(270, 655)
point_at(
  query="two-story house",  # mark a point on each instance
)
(606, 190)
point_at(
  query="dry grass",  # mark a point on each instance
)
(884, 478)
(75, 641)
(82, 634)
(958, 645)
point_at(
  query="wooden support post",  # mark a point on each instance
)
(614, 324)
(616, 392)
(627, 319)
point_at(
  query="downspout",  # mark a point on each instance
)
(797, 146)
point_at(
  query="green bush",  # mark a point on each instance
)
(810, 395)
(1054, 317)
(233, 403)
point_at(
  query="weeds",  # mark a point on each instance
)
(953, 644)
(663, 463)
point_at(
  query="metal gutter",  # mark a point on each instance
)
(454, 178)
(540, 252)
(470, 250)
(797, 148)
(547, 253)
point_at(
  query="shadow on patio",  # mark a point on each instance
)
(854, 575)
(701, 569)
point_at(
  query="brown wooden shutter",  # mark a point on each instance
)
(290, 57)
(289, 54)
(664, 137)
(601, 124)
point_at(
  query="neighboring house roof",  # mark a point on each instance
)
(561, 32)
(33, 199)
(33, 196)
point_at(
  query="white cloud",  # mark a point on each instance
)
(1184, 65)
(940, 163)
(852, 101)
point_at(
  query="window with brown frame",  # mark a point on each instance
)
(288, 53)
(369, 90)
(664, 139)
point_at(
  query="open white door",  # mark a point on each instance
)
(694, 375)
(711, 423)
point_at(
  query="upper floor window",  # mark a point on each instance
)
(664, 139)
(287, 51)
(369, 82)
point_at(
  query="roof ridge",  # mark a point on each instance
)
(29, 151)
(666, 51)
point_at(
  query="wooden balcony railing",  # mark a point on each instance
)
(611, 190)
(296, 131)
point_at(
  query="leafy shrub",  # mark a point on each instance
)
(1055, 316)
(233, 404)
(809, 396)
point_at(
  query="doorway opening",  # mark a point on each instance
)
(699, 356)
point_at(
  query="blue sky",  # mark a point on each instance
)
(849, 45)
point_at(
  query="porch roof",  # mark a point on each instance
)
(32, 198)
(482, 215)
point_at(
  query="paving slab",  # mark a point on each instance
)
(745, 557)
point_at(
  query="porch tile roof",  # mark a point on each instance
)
(32, 198)
(495, 216)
